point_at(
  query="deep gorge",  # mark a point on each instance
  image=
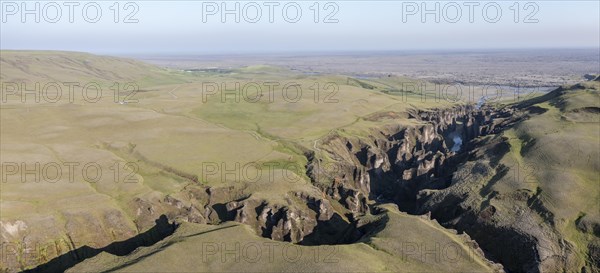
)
(409, 166)
(416, 168)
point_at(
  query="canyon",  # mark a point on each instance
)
(510, 185)
(414, 168)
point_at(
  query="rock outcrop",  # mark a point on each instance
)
(421, 169)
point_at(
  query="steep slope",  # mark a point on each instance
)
(542, 192)
(524, 184)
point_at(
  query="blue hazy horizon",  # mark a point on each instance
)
(190, 27)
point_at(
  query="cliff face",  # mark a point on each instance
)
(446, 167)
(396, 162)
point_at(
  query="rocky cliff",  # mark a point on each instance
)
(447, 166)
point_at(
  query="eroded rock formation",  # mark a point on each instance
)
(420, 169)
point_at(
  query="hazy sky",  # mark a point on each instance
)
(197, 27)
